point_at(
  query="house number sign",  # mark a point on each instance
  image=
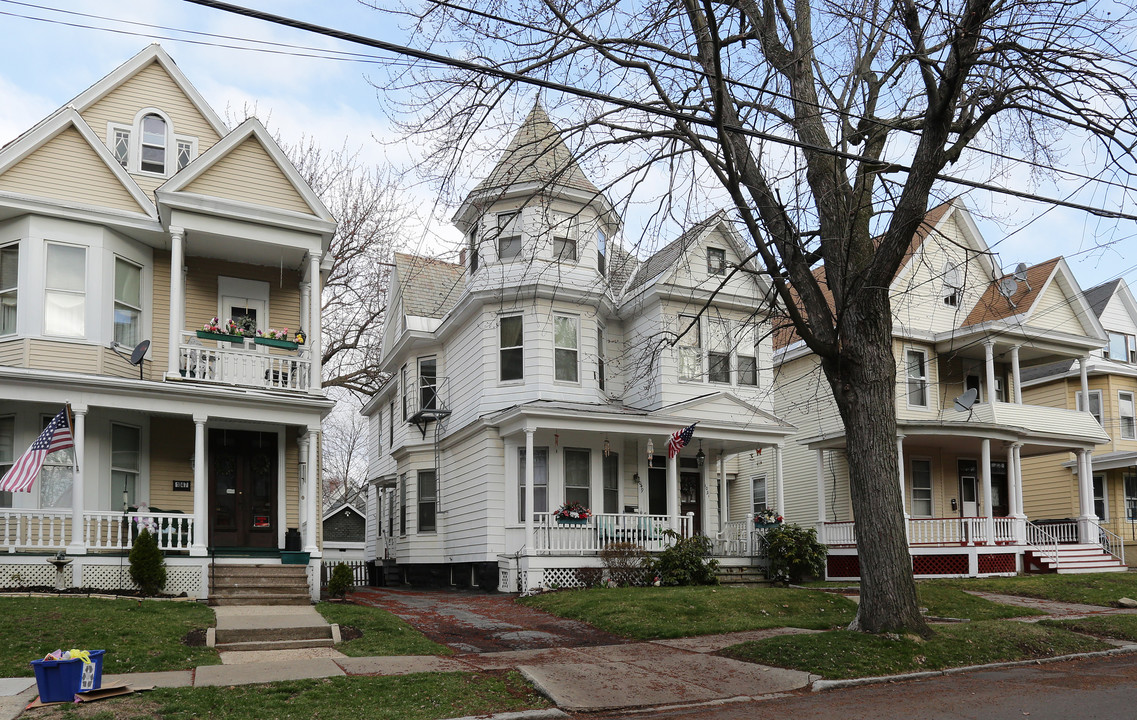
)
(182, 485)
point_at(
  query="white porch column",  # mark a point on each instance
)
(903, 486)
(1020, 517)
(311, 490)
(305, 303)
(1018, 387)
(302, 501)
(78, 544)
(200, 545)
(989, 362)
(177, 297)
(1083, 371)
(315, 331)
(778, 478)
(821, 495)
(723, 510)
(530, 536)
(673, 492)
(1086, 516)
(985, 469)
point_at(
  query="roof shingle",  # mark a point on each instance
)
(430, 287)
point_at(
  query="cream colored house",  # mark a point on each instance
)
(550, 366)
(962, 329)
(132, 214)
(1108, 377)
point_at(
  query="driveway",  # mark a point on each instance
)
(478, 622)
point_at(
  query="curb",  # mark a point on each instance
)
(518, 715)
(822, 685)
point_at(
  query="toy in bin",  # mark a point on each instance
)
(61, 675)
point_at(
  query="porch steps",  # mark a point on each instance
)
(1073, 559)
(288, 638)
(259, 585)
(742, 576)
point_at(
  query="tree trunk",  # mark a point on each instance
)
(863, 378)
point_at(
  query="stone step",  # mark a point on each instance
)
(270, 591)
(264, 583)
(300, 571)
(274, 645)
(260, 599)
(248, 635)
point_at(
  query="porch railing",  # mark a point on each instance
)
(34, 529)
(247, 365)
(1044, 540)
(1065, 533)
(1111, 543)
(839, 533)
(599, 531)
(114, 531)
(934, 531)
(739, 538)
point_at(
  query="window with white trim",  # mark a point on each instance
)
(56, 476)
(1125, 411)
(690, 348)
(540, 481)
(403, 504)
(403, 389)
(716, 261)
(718, 350)
(427, 501)
(391, 427)
(9, 286)
(758, 500)
(511, 349)
(1121, 347)
(1129, 480)
(127, 302)
(508, 235)
(7, 458)
(601, 347)
(65, 291)
(126, 444)
(1101, 506)
(566, 348)
(578, 476)
(153, 156)
(472, 246)
(120, 145)
(747, 352)
(1095, 404)
(917, 365)
(952, 290)
(611, 467)
(428, 383)
(601, 252)
(921, 505)
(185, 153)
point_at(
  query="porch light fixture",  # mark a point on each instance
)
(700, 457)
(650, 451)
(607, 448)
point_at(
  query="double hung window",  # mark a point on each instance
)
(690, 348)
(612, 483)
(758, 490)
(578, 479)
(7, 446)
(125, 451)
(9, 286)
(56, 476)
(540, 481)
(65, 293)
(153, 158)
(509, 235)
(921, 487)
(127, 302)
(601, 252)
(511, 350)
(1125, 411)
(917, 378)
(566, 348)
(1095, 404)
(716, 261)
(718, 351)
(427, 501)
(747, 355)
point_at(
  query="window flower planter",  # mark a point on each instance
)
(220, 337)
(758, 524)
(571, 521)
(276, 343)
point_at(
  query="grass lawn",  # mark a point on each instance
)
(843, 654)
(670, 612)
(425, 696)
(950, 601)
(1091, 588)
(137, 637)
(383, 632)
(1122, 627)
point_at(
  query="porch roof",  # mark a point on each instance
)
(728, 436)
(1109, 461)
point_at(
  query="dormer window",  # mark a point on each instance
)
(153, 145)
(953, 285)
(716, 261)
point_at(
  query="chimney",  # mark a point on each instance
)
(462, 256)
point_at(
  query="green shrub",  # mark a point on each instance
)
(686, 562)
(341, 581)
(794, 553)
(147, 566)
(626, 563)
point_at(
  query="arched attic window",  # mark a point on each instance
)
(154, 140)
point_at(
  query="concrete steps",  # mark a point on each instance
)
(1074, 559)
(268, 628)
(741, 575)
(259, 585)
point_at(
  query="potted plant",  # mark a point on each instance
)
(767, 519)
(275, 338)
(572, 513)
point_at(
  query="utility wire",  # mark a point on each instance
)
(521, 78)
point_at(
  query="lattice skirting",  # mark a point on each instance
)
(179, 579)
(1001, 563)
(16, 576)
(939, 565)
(843, 566)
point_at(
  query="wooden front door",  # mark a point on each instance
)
(242, 489)
(690, 494)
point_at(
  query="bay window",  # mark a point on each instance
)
(578, 479)
(509, 235)
(690, 348)
(427, 501)
(511, 349)
(718, 351)
(127, 302)
(917, 378)
(65, 293)
(9, 285)
(566, 344)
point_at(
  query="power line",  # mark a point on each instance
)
(521, 78)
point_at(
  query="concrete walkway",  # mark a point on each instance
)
(1052, 608)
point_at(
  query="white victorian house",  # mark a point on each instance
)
(549, 366)
(134, 214)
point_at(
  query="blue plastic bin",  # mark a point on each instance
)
(62, 680)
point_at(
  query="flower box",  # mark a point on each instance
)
(571, 521)
(276, 343)
(220, 337)
(293, 557)
(758, 524)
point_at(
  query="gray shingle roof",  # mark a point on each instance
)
(667, 257)
(430, 287)
(1050, 369)
(1098, 297)
(537, 154)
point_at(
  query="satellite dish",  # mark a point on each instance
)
(1020, 275)
(965, 401)
(139, 352)
(1008, 287)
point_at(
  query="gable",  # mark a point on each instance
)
(248, 174)
(1116, 317)
(67, 168)
(151, 87)
(721, 407)
(1053, 312)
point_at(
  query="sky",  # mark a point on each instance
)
(45, 64)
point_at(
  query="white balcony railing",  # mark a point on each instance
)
(599, 531)
(40, 530)
(935, 531)
(246, 364)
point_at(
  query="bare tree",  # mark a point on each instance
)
(826, 125)
(345, 451)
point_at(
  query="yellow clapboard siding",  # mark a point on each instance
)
(12, 352)
(248, 174)
(1053, 312)
(171, 447)
(201, 291)
(292, 478)
(67, 168)
(63, 356)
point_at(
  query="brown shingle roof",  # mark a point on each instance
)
(665, 258)
(430, 287)
(993, 305)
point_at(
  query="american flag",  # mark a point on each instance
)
(56, 436)
(679, 439)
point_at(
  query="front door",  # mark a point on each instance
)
(690, 491)
(968, 489)
(242, 489)
(657, 491)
